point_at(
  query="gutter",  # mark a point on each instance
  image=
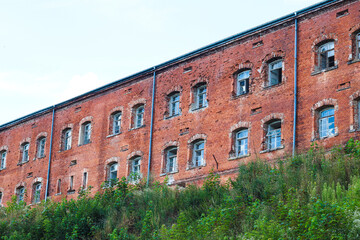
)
(295, 84)
(49, 164)
(151, 126)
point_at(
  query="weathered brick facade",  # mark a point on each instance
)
(336, 86)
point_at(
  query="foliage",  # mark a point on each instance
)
(315, 195)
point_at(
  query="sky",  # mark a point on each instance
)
(53, 50)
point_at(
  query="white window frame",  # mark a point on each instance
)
(201, 93)
(357, 43)
(85, 133)
(116, 120)
(85, 180)
(275, 72)
(241, 143)
(67, 139)
(326, 51)
(327, 122)
(174, 104)
(242, 82)
(25, 152)
(58, 190)
(3, 160)
(273, 135)
(139, 116)
(20, 193)
(171, 160)
(41, 147)
(198, 153)
(1, 197)
(135, 168)
(71, 183)
(358, 114)
(113, 172)
(37, 192)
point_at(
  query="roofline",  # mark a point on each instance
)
(175, 60)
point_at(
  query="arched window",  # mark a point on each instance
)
(171, 159)
(273, 135)
(241, 142)
(275, 72)
(66, 139)
(20, 194)
(85, 133)
(116, 122)
(41, 147)
(197, 158)
(174, 104)
(326, 55)
(36, 192)
(326, 122)
(25, 152)
(242, 82)
(112, 172)
(2, 160)
(139, 116)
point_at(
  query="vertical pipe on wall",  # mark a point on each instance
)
(295, 83)
(151, 127)
(49, 164)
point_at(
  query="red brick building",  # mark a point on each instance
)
(228, 103)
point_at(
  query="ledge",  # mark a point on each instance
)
(273, 86)
(238, 157)
(142, 126)
(79, 145)
(316, 72)
(271, 150)
(22, 163)
(198, 109)
(353, 61)
(113, 135)
(323, 138)
(168, 173)
(235, 96)
(172, 116)
(72, 191)
(195, 167)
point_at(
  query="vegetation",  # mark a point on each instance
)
(311, 196)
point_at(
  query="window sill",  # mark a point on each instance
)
(316, 72)
(273, 86)
(172, 116)
(40, 157)
(236, 96)
(238, 157)
(355, 60)
(198, 109)
(323, 138)
(72, 191)
(142, 126)
(2, 169)
(64, 150)
(168, 173)
(83, 144)
(22, 163)
(271, 150)
(57, 194)
(113, 135)
(195, 167)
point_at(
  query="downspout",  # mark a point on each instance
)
(295, 83)
(151, 127)
(49, 164)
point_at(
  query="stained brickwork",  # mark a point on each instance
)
(216, 122)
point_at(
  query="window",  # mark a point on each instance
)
(135, 173)
(357, 43)
(67, 139)
(273, 135)
(71, 187)
(358, 113)
(1, 196)
(242, 83)
(58, 191)
(241, 143)
(113, 169)
(2, 160)
(326, 56)
(275, 72)
(200, 96)
(85, 178)
(174, 104)
(37, 191)
(85, 133)
(326, 123)
(20, 193)
(41, 147)
(139, 116)
(25, 152)
(116, 122)
(171, 156)
(198, 153)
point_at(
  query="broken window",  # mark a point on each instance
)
(174, 104)
(198, 153)
(1, 196)
(41, 147)
(241, 143)
(275, 72)
(242, 83)
(200, 96)
(139, 116)
(58, 191)
(85, 179)
(273, 135)
(71, 186)
(20, 193)
(66, 139)
(135, 173)
(171, 156)
(2, 160)
(25, 152)
(85, 133)
(37, 191)
(116, 122)
(112, 174)
(326, 123)
(326, 55)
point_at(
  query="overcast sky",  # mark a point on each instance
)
(52, 50)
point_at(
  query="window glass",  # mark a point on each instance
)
(116, 123)
(113, 172)
(87, 133)
(174, 105)
(243, 82)
(25, 153)
(135, 165)
(20, 194)
(358, 45)
(241, 144)
(3, 159)
(275, 72)
(171, 160)
(274, 135)
(326, 123)
(41, 147)
(139, 118)
(201, 97)
(67, 139)
(327, 55)
(37, 191)
(198, 153)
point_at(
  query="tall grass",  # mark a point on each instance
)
(310, 196)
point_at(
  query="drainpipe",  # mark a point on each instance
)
(295, 83)
(151, 127)
(49, 164)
